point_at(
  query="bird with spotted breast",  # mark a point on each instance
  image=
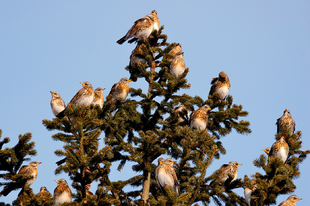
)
(174, 51)
(280, 149)
(221, 85)
(120, 90)
(199, 118)
(135, 58)
(177, 65)
(165, 175)
(248, 192)
(291, 201)
(225, 170)
(57, 103)
(183, 113)
(286, 121)
(142, 28)
(98, 98)
(267, 150)
(62, 193)
(85, 96)
(44, 193)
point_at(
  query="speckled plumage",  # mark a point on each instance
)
(225, 170)
(248, 192)
(291, 201)
(142, 28)
(165, 175)
(120, 90)
(57, 103)
(98, 98)
(62, 193)
(286, 121)
(44, 193)
(85, 96)
(135, 58)
(31, 169)
(199, 118)
(174, 51)
(183, 113)
(177, 66)
(280, 149)
(221, 85)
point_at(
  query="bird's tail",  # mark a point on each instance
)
(122, 40)
(133, 40)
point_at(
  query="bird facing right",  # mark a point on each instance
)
(227, 169)
(221, 85)
(286, 121)
(85, 96)
(62, 193)
(199, 118)
(280, 149)
(165, 175)
(291, 201)
(98, 99)
(57, 103)
(177, 65)
(120, 90)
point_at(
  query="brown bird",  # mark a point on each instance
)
(142, 28)
(44, 193)
(98, 99)
(221, 85)
(183, 113)
(267, 150)
(174, 51)
(286, 122)
(62, 193)
(291, 201)
(228, 169)
(57, 104)
(135, 58)
(248, 192)
(199, 118)
(177, 65)
(165, 175)
(280, 149)
(120, 90)
(85, 96)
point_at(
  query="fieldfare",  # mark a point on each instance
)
(228, 169)
(174, 51)
(221, 85)
(98, 99)
(280, 149)
(183, 113)
(85, 96)
(177, 65)
(199, 118)
(120, 90)
(267, 150)
(291, 201)
(286, 121)
(57, 104)
(165, 175)
(248, 193)
(62, 193)
(44, 193)
(135, 58)
(142, 28)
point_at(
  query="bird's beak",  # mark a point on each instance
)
(239, 165)
(82, 83)
(103, 89)
(39, 163)
(57, 181)
(129, 80)
(51, 92)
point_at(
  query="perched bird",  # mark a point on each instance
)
(280, 149)
(160, 160)
(98, 99)
(291, 201)
(174, 51)
(27, 170)
(135, 58)
(85, 96)
(286, 122)
(44, 193)
(62, 193)
(199, 118)
(183, 113)
(228, 169)
(57, 104)
(267, 150)
(221, 85)
(142, 28)
(177, 65)
(120, 90)
(248, 193)
(165, 175)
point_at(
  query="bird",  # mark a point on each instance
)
(120, 90)
(291, 201)
(227, 169)
(248, 193)
(174, 51)
(286, 121)
(98, 99)
(267, 150)
(199, 118)
(160, 160)
(221, 85)
(280, 149)
(183, 113)
(85, 96)
(177, 65)
(142, 28)
(44, 193)
(165, 175)
(57, 103)
(135, 58)
(62, 193)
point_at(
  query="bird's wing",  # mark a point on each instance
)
(278, 125)
(113, 89)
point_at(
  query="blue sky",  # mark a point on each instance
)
(263, 46)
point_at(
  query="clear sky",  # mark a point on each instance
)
(263, 46)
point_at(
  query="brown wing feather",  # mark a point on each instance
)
(113, 88)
